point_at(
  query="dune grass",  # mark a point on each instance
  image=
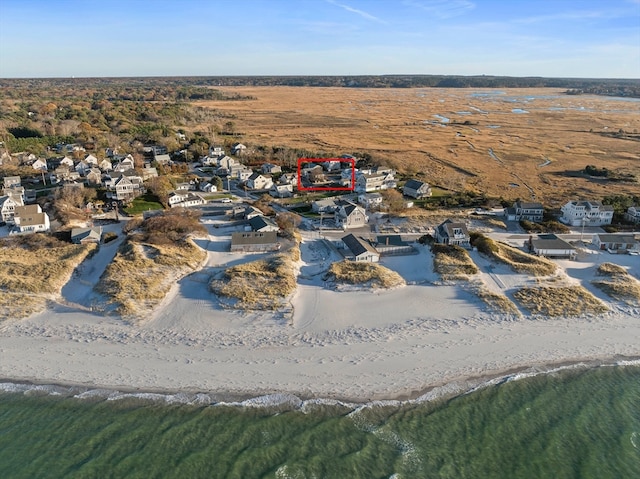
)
(617, 283)
(517, 260)
(452, 262)
(32, 269)
(496, 302)
(264, 284)
(373, 274)
(141, 274)
(561, 301)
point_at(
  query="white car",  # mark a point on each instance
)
(225, 200)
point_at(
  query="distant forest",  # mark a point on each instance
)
(573, 86)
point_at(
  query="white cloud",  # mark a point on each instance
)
(362, 13)
(442, 8)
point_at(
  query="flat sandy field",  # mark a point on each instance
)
(515, 143)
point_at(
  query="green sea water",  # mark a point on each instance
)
(577, 423)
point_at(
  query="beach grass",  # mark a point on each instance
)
(617, 283)
(519, 261)
(33, 268)
(496, 302)
(372, 274)
(560, 301)
(264, 284)
(141, 274)
(452, 262)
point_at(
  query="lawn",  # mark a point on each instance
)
(143, 203)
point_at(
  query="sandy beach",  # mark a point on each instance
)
(354, 345)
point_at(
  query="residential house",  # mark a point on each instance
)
(251, 212)
(39, 165)
(15, 192)
(452, 233)
(30, 219)
(94, 176)
(163, 159)
(358, 249)
(281, 191)
(370, 200)
(105, 165)
(12, 182)
(325, 205)
(185, 199)
(238, 149)
(86, 235)
(261, 223)
(332, 165)
(270, 168)
(416, 189)
(8, 204)
(618, 242)
(522, 210)
(388, 245)
(207, 187)
(127, 187)
(350, 215)
(124, 164)
(148, 172)
(254, 242)
(368, 182)
(633, 214)
(315, 174)
(215, 151)
(82, 168)
(586, 213)
(288, 179)
(91, 160)
(551, 246)
(67, 162)
(258, 181)
(347, 177)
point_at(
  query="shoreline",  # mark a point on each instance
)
(456, 387)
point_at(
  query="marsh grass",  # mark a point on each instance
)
(560, 301)
(373, 274)
(141, 274)
(617, 283)
(33, 269)
(452, 262)
(264, 284)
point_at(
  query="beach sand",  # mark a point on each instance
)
(357, 345)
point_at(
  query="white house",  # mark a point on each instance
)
(551, 246)
(370, 200)
(185, 199)
(30, 219)
(105, 165)
(91, 160)
(281, 191)
(8, 205)
(633, 214)
(368, 182)
(259, 182)
(238, 149)
(207, 187)
(39, 165)
(586, 213)
(260, 223)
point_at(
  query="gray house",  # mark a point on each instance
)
(358, 249)
(254, 242)
(452, 233)
(416, 189)
(525, 211)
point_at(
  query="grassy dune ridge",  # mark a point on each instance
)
(373, 274)
(617, 283)
(33, 269)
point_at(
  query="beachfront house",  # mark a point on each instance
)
(452, 233)
(8, 205)
(254, 242)
(615, 242)
(586, 213)
(522, 210)
(358, 249)
(416, 189)
(551, 246)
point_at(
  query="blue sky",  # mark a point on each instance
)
(555, 38)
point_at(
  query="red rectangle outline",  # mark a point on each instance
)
(327, 188)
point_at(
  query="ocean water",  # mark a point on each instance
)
(574, 423)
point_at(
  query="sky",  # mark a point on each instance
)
(98, 38)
